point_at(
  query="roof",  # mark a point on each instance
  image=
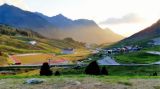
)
(69, 49)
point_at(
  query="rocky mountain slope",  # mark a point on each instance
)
(58, 26)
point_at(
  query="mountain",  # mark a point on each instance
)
(64, 23)
(144, 36)
(61, 21)
(17, 40)
(149, 32)
(16, 17)
(58, 26)
(81, 30)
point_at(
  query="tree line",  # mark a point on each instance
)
(10, 31)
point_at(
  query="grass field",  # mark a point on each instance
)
(140, 57)
(79, 54)
(120, 77)
(82, 82)
(39, 58)
(35, 59)
(113, 71)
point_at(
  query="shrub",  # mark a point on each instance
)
(45, 69)
(155, 74)
(93, 69)
(57, 73)
(104, 71)
(125, 83)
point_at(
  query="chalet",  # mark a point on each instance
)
(88, 46)
(32, 43)
(110, 51)
(94, 51)
(68, 51)
(128, 48)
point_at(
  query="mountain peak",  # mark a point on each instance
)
(158, 21)
(60, 16)
(17, 17)
(6, 5)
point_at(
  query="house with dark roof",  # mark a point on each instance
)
(68, 51)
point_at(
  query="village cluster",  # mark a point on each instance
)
(124, 49)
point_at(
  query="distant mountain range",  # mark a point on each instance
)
(144, 36)
(57, 26)
(16, 17)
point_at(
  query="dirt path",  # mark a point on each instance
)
(28, 54)
(82, 83)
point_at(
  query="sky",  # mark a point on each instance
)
(124, 17)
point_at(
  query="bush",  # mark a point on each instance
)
(92, 69)
(45, 70)
(57, 73)
(104, 71)
(155, 74)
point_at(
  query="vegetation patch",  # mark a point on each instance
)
(156, 87)
(127, 83)
(140, 57)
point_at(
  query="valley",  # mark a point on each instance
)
(59, 51)
(38, 48)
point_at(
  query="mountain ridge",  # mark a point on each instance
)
(58, 26)
(144, 36)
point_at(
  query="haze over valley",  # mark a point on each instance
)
(58, 27)
(79, 44)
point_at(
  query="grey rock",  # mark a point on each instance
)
(75, 83)
(34, 81)
(98, 84)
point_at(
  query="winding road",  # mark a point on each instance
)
(107, 61)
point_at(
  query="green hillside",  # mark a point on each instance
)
(15, 41)
(146, 40)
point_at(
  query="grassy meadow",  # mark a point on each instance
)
(39, 58)
(140, 57)
(146, 70)
(12, 45)
(82, 82)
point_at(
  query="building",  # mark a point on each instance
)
(13, 60)
(68, 51)
(32, 42)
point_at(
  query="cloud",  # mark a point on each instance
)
(18, 3)
(129, 18)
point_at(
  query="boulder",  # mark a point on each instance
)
(34, 81)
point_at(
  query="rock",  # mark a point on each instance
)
(98, 84)
(75, 83)
(34, 81)
(2, 83)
